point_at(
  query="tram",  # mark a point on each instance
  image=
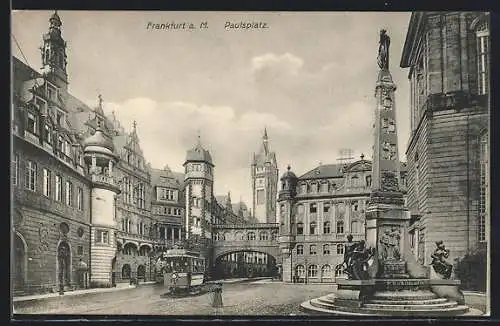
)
(181, 270)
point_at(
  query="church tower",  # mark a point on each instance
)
(53, 52)
(264, 170)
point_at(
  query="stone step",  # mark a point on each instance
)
(409, 302)
(404, 295)
(392, 307)
(318, 307)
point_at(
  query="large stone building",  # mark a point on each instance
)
(448, 59)
(317, 211)
(88, 209)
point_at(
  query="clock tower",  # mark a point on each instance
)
(264, 170)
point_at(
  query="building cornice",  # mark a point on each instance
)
(414, 31)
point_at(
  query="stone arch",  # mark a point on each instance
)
(239, 236)
(148, 247)
(64, 263)
(20, 260)
(126, 272)
(271, 251)
(141, 272)
(131, 244)
(479, 19)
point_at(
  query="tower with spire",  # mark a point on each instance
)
(199, 193)
(264, 172)
(53, 51)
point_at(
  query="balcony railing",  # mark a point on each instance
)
(140, 237)
(103, 179)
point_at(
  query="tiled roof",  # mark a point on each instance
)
(324, 171)
(167, 178)
(336, 170)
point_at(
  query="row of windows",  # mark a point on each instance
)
(239, 236)
(165, 194)
(52, 186)
(312, 271)
(64, 148)
(198, 167)
(164, 210)
(356, 227)
(314, 251)
(141, 227)
(131, 250)
(133, 193)
(325, 186)
(355, 206)
(169, 233)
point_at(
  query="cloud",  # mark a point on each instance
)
(285, 64)
(168, 129)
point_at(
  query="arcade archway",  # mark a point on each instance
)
(244, 264)
(141, 272)
(20, 262)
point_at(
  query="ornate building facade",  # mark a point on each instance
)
(448, 59)
(316, 212)
(264, 171)
(88, 209)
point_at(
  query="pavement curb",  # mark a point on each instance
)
(474, 294)
(70, 293)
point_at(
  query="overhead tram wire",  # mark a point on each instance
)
(22, 53)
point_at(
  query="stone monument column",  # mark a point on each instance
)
(386, 217)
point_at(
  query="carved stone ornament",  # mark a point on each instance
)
(388, 151)
(43, 246)
(389, 181)
(389, 198)
(388, 125)
(390, 244)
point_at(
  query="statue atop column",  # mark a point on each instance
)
(383, 50)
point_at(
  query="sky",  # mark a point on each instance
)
(309, 78)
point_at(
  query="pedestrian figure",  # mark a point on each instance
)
(217, 296)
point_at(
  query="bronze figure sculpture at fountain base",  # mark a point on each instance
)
(383, 276)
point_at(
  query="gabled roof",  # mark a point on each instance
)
(167, 178)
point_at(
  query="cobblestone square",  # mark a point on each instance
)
(261, 298)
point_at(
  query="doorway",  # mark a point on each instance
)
(64, 263)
